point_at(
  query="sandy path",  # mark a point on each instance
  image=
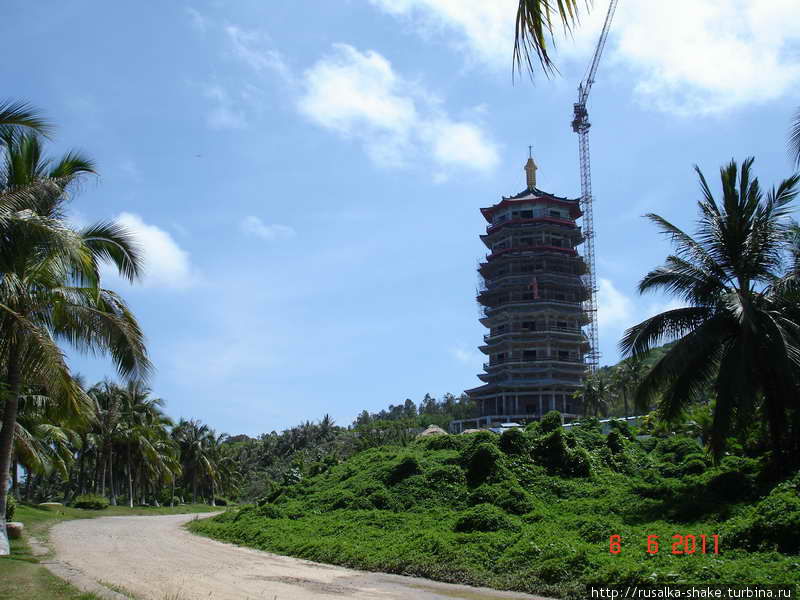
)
(156, 559)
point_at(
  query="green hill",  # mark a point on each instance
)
(534, 511)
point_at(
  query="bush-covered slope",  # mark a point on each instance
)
(533, 511)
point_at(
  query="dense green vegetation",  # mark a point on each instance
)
(533, 511)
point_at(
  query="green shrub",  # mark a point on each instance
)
(615, 442)
(580, 464)
(403, 468)
(382, 499)
(91, 502)
(484, 517)
(551, 451)
(270, 511)
(442, 442)
(482, 461)
(730, 485)
(550, 422)
(622, 427)
(676, 448)
(515, 500)
(774, 523)
(506, 495)
(336, 499)
(649, 444)
(693, 466)
(480, 437)
(11, 507)
(446, 475)
(597, 529)
(512, 441)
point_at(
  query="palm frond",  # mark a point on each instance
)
(14, 114)
(534, 32)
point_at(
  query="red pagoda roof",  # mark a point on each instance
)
(536, 196)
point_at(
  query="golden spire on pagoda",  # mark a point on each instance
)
(530, 169)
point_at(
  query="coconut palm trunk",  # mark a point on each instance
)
(130, 478)
(113, 488)
(7, 435)
(14, 476)
(81, 461)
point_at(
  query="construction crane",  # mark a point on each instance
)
(581, 125)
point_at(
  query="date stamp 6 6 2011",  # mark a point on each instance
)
(681, 544)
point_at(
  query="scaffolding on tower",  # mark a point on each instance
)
(581, 125)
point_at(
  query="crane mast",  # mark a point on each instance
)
(581, 125)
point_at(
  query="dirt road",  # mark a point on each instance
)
(155, 558)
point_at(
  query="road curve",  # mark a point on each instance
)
(155, 558)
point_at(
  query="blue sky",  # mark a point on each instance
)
(306, 175)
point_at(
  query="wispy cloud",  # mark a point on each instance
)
(255, 50)
(196, 19)
(690, 56)
(224, 114)
(469, 357)
(253, 225)
(358, 95)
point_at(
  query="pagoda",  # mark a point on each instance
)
(532, 296)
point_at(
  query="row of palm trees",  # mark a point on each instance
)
(130, 450)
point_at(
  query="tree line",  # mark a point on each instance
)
(127, 450)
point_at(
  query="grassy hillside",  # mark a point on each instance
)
(533, 511)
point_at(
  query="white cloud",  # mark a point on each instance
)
(689, 56)
(470, 357)
(614, 308)
(197, 20)
(711, 55)
(166, 264)
(486, 29)
(225, 114)
(255, 226)
(359, 96)
(253, 48)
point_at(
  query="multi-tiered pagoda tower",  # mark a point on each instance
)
(531, 297)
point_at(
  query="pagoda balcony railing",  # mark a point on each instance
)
(569, 239)
(523, 330)
(534, 248)
(566, 293)
(554, 220)
(543, 278)
(488, 311)
(539, 359)
(512, 298)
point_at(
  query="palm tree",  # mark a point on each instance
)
(49, 286)
(146, 437)
(21, 115)
(626, 379)
(734, 333)
(595, 394)
(534, 31)
(194, 439)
